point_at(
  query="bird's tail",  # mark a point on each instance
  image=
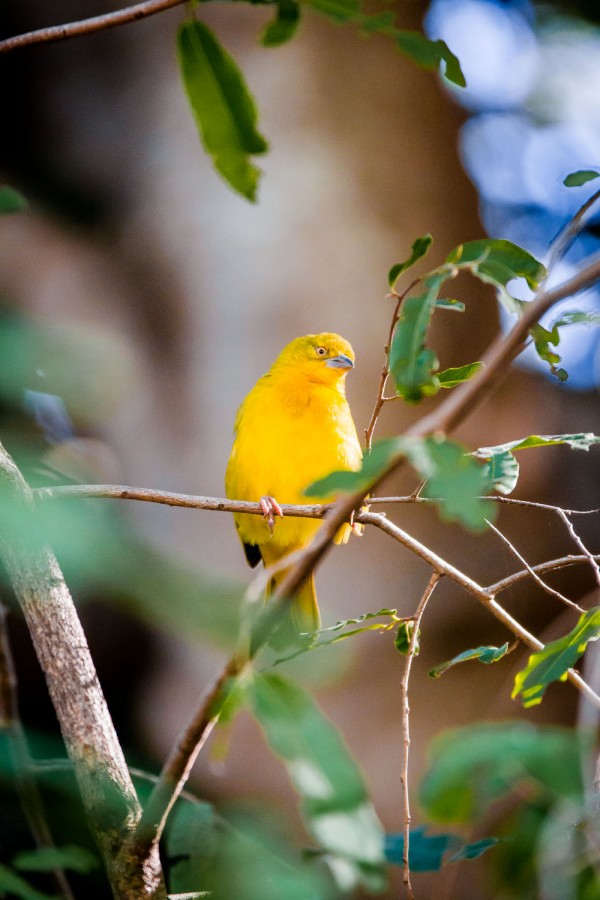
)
(303, 616)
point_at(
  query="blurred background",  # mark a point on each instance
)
(149, 297)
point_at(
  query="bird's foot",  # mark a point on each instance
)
(270, 508)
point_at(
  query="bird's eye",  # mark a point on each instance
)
(321, 351)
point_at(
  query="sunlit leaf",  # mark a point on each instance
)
(497, 262)
(283, 26)
(473, 766)
(425, 852)
(11, 200)
(487, 655)
(555, 659)
(335, 803)
(582, 176)
(413, 364)
(449, 378)
(343, 623)
(580, 441)
(502, 470)
(223, 106)
(419, 248)
(45, 859)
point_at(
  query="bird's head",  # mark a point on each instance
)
(326, 358)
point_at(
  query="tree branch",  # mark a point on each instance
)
(106, 789)
(88, 26)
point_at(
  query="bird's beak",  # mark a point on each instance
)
(340, 362)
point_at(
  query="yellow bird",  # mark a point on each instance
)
(294, 427)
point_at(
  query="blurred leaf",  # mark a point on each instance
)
(374, 464)
(335, 803)
(582, 176)
(455, 480)
(223, 106)
(580, 441)
(11, 200)
(449, 378)
(487, 655)
(425, 852)
(555, 659)
(576, 317)
(502, 471)
(338, 10)
(284, 25)
(411, 363)
(343, 623)
(15, 886)
(45, 859)
(471, 767)
(449, 303)
(475, 850)
(419, 248)
(404, 637)
(430, 54)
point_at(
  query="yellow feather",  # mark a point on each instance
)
(294, 427)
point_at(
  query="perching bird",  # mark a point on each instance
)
(294, 427)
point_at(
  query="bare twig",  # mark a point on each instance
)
(385, 372)
(551, 565)
(88, 26)
(570, 231)
(412, 650)
(536, 577)
(580, 544)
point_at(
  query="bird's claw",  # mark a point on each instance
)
(270, 508)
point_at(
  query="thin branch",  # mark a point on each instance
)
(482, 594)
(412, 650)
(88, 26)
(568, 234)
(536, 577)
(581, 545)
(551, 565)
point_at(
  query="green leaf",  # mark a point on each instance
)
(11, 201)
(334, 799)
(343, 623)
(580, 441)
(284, 25)
(449, 303)
(45, 859)
(449, 378)
(404, 637)
(555, 659)
(497, 262)
(475, 850)
(425, 852)
(472, 767)
(487, 655)
(430, 54)
(576, 317)
(582, 176)
(411, 363)
(15, 886)
(502, 470)
(455, 480)
(223, 106)
(338, 10)
(374, 464)
(419, 248)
